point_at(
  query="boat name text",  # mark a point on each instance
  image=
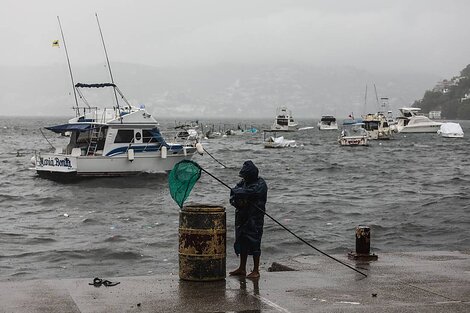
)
(55, 162)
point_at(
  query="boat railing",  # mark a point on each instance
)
(99, 115)
(147, 142)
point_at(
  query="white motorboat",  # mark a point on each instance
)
(271, 140)
(284, 120)
(353, 135)
(188, 131)
(279, 142)
(121, 140)
(411, 121)
(327, 122)
(451, 130)
(377, 126)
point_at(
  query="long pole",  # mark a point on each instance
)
(214, 158)
(365, 101)
(291, 232)
(68, 62)
(376, 96)
(107, 60)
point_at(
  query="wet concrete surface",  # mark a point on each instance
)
(407, 282)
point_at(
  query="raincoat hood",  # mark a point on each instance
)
(249, 171)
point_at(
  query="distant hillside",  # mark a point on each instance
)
(451, 97)
(225, 90)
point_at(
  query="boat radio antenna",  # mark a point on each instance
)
(68, 62)
(107, 60)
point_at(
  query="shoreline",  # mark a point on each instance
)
(428, 281)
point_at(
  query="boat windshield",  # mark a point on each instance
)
(371, 125)
(354, 130)
(282, 121)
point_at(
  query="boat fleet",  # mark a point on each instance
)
(124, 139)
(360, 132)
(381, 126)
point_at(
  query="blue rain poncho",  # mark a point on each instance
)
(249, 198)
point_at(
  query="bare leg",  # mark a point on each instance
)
(241, 270)
(255, 272)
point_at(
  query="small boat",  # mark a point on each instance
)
(284, 120)
(188, 130)
(327, 122)
(235, 132)
(351, 120)
(271, 140)
(116, 141)
(411, 121)
(451, 130)
(377, 126)
(279, 142)
(353, 135)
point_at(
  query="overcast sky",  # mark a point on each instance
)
(421, 35)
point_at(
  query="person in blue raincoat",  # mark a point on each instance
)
(249, 198)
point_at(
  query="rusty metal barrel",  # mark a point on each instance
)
(202, 243)
(362, 239)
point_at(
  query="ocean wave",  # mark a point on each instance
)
(412, 191)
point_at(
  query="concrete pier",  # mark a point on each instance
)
(405, 282)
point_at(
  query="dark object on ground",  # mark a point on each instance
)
(277, 267)
(97, 282)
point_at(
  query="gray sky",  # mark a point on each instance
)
(421, 35)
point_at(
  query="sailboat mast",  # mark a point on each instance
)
(107, 60)
(376, 97)
(68, 62)
(365, 101)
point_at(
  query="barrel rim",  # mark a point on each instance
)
(196, 207)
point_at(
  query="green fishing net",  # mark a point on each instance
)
(182, 179)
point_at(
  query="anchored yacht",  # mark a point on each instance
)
(121, 140)
(377, 126)
(327, 122)
(411, 121)
(284, 120)
(353, 135)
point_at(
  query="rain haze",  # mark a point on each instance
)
(231, 59)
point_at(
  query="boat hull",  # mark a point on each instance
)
(455, 135)
(328, 127)
(419, 129)
(353, 141)
(57, 165)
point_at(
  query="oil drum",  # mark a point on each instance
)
(202, 242)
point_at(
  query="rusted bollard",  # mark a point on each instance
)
(202, 243)
(362, 245)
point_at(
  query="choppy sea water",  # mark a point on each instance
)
(413, 191)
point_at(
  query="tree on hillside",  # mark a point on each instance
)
(466, 72)
(450, 102)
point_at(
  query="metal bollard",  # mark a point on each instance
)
(362, 245)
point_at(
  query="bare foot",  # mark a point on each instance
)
(254, 274)
(237, 272)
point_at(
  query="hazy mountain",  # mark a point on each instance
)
(451, 96)
(225, 90)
